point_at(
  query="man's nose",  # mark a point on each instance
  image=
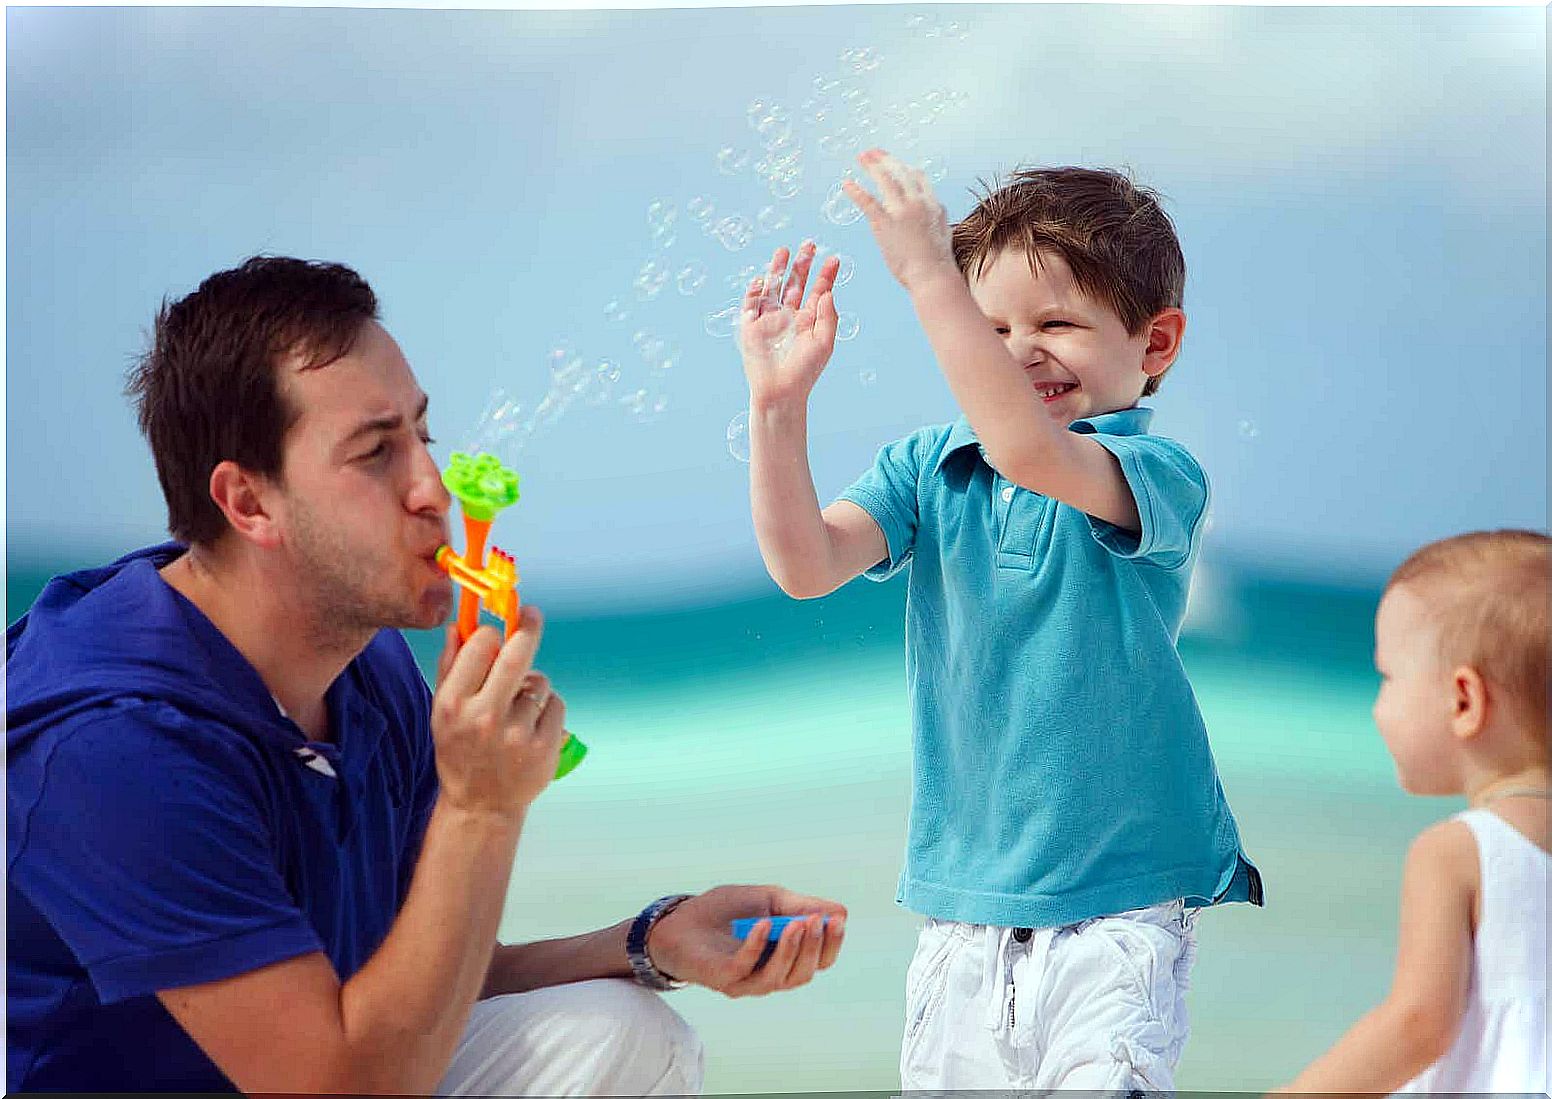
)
(427, 492)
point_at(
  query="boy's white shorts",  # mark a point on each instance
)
(1097, 1005)
(604, 1037)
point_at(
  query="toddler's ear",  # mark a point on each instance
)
(1471, 702)
(1165, 332)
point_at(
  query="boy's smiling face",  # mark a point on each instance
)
(1074, 350)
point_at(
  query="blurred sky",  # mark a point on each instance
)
(1360, 193)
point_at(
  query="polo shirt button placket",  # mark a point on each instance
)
(1007, 495)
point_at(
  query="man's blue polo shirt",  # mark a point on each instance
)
(1062, 769)
(168, 826)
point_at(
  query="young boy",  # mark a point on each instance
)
(1067, 815)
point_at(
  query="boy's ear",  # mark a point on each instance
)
(1165, 331)
(244, 498)
(1469, 692)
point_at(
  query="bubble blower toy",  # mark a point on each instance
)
(484, 487)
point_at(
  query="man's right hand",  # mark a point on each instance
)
(497, 724)
(787, 340)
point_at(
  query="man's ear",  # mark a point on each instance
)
(246, 500)
(1165, 331)
(1470, 699)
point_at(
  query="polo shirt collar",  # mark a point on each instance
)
(1125, 421)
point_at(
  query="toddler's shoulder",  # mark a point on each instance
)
(1445, 852)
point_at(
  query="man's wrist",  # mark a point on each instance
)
(642, 966)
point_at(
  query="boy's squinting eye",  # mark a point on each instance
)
(1057, 324)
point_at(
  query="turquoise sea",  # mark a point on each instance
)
(767, 740)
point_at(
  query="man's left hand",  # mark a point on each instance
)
(695, 941)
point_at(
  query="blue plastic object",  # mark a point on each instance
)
(741, 928)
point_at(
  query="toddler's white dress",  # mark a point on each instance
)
(1503, 1041)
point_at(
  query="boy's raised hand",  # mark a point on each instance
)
(785, 338)
(907, 219)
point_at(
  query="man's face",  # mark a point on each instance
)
(361, 503)
(1415, 701)
(1074, 350)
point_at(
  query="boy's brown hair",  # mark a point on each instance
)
(1113, 233)
(209, 389)
(1487, 592)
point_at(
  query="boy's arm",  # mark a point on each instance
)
(1417, 1022)
(1021, 439)
(808, 552)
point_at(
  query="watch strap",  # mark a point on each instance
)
(636, 944)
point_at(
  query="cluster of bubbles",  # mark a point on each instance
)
(785, 146)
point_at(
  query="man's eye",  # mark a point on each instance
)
(376, 452)
(428, 440)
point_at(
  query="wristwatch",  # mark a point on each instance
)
(636, 944)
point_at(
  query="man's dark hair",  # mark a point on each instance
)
(209, 389)
(1113, 233)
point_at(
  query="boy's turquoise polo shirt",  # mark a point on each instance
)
(1062, 769)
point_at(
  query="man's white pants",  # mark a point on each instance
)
(1098, 1005)
(604, 1037)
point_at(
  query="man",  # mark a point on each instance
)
(247, 846)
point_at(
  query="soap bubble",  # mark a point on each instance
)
(738, 436)
(1248, 430)
(772, 220)
(838, 208)
(664, 235)
(636, 403)
(660, 212)
(860, 59)
(651, 349)
(774, 130)
(786, 186)
(665, 356)
(700, 208)
(605, 373)
(731, 161)
(847, 326)
(824, 85)
(847, 269)
(758, 109)
(692, 276)
(935, 168)
(734, 232)
(614, 310)
(561, 356)
(739, 281)
(651, 279)
(722, 323)
(867, 377)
